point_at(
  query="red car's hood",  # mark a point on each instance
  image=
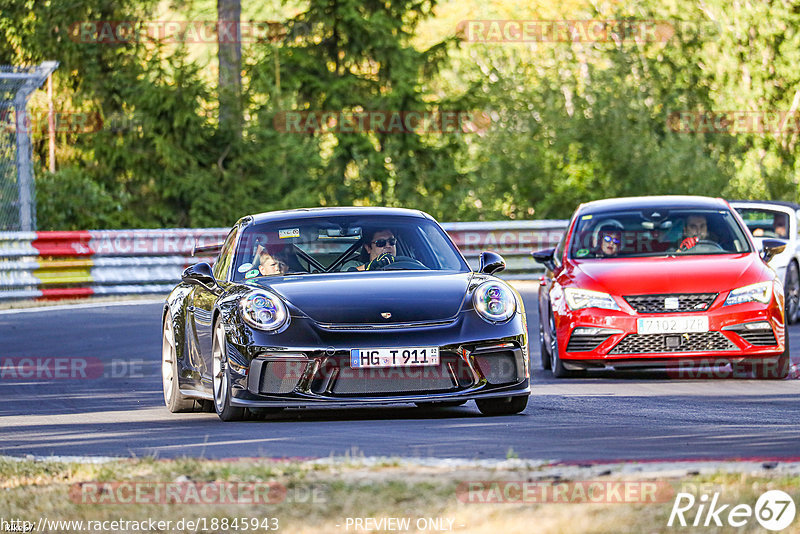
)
(685, 274)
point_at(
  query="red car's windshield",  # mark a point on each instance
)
(666, 232)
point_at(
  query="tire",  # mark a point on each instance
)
(792, 292)
(544, 348)
(173, 399)
(221, 379)
(440, 404)
(556, 365)
(502, 405)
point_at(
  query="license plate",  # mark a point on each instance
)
(672, 325)
(404, 357)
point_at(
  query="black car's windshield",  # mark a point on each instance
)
(765, 222)
(344, 244)
(657, 232)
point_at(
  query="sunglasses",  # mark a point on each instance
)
(380, 243)
(611, 239)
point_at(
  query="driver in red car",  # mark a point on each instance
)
(695, 229)
(381, 248)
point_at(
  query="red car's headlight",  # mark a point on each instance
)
(583, 298)
(761, 292)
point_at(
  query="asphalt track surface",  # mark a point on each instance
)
(117, 409)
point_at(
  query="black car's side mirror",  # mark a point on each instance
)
(491, 263)
(200, 274)
(771, 248)
(545, 257)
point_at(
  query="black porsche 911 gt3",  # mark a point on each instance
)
(343, 306)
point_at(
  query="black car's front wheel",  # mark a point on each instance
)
(502, 405)
(222, 379)
(173, 398)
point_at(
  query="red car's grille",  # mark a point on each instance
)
(655, 343)
(671, 302)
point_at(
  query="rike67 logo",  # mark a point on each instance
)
(774, 510)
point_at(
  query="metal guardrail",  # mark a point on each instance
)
(55, 265)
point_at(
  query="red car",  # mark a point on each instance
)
(664, 281)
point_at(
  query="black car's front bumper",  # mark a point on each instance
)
(293, 378)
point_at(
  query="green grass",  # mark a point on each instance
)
(321, 495)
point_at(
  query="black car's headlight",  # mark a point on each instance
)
(494, 301)
(264, 310)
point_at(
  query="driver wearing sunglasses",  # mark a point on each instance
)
(610, 242)
(381, 248)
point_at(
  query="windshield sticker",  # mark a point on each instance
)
(582, 252)
(288, 233)
(251, 274)
(586, 217)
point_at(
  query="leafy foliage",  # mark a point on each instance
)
(567, 121)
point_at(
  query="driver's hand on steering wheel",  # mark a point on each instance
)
(380, 262)
(688, 243)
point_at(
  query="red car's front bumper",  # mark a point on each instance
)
(599, 337)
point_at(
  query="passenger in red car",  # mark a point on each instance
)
(610, 242)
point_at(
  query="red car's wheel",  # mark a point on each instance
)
(544, 348)
(792, 292)
(559, 371)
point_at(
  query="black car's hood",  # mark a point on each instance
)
(409, 296)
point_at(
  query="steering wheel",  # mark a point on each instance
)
(403, 262)
(705, 242)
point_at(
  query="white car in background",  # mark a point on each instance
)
(774, 219)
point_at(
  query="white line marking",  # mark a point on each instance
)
(81, 306)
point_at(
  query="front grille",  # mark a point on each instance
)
(659, 343)
(498, 367)
(687, 302)
(585, 343)
(758, 337)
(336, 377)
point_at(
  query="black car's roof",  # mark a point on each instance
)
(353, 211)
(665, 202)
(783, 203)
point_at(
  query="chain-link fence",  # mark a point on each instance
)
(17, 193)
